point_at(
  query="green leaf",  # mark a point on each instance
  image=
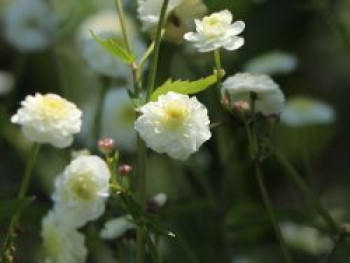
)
(114, 48)
(184, 87)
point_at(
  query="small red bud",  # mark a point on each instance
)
(124, 170)
(106, 145)
(241, 106)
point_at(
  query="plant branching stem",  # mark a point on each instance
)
(96, 129)
(256, 152)
(154, 62)
(121, 16)
(22, 193)
(268, 206)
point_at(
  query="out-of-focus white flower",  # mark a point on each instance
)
(29, 24)
(6, 82)
(175, 124)
(301, 111)
(305, 238)
(272, 63)
(160, 199)
(181, 14)
(117, 227)
(269, 99)
(48, 119)
(105, 24)
(62, 243)
(118, 119)
(217, 31)
(81, 191)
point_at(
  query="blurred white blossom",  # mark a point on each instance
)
(305, 238)
(62, 243)
(82, 189)
(160, 199)
(105, 24)
(269, 98)
(217, 31)
(300, 111)
(118, 119)
(272, 63)
(48, 119)
(117, 227)
(7, 81)
(30, 25)
(181, 14)
(175, 124)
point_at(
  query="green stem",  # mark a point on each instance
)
(141, 195)
(96, 128)
(154, 63)
(254, 144)
(22, 193)
(268, 206)
(223, 152)
(311, 197)
(120, 10)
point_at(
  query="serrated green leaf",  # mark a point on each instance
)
(114, 48)
(184, 87)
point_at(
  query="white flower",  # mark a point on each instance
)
(272, 63)
(48, 119)
(216, 31)
(62, 243)
(305, 238)
(269, 97)
(301, 111)
(118, 119)
(160, 199)
(81, 191)
(6, 82)
(105, 24)
(181, 14)
(29, 24)
(117, 227)
(175, 124)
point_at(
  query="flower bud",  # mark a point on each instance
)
(125, 170)
(241, 106)
(157, 202)
(107, 146)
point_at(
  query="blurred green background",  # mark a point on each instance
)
(214, 203)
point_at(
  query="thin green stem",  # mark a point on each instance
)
(254, 144)
(311, 197)
(340, 237)
(157, 40)
(21, 194)
(141, 195)
(97, 123)
(120, 10)
(268, 206)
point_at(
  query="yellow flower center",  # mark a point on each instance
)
(83, 187)
(53, 107)
(213, 26)
(175, 114)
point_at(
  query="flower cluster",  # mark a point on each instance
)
(48, 119)
(79, 197)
